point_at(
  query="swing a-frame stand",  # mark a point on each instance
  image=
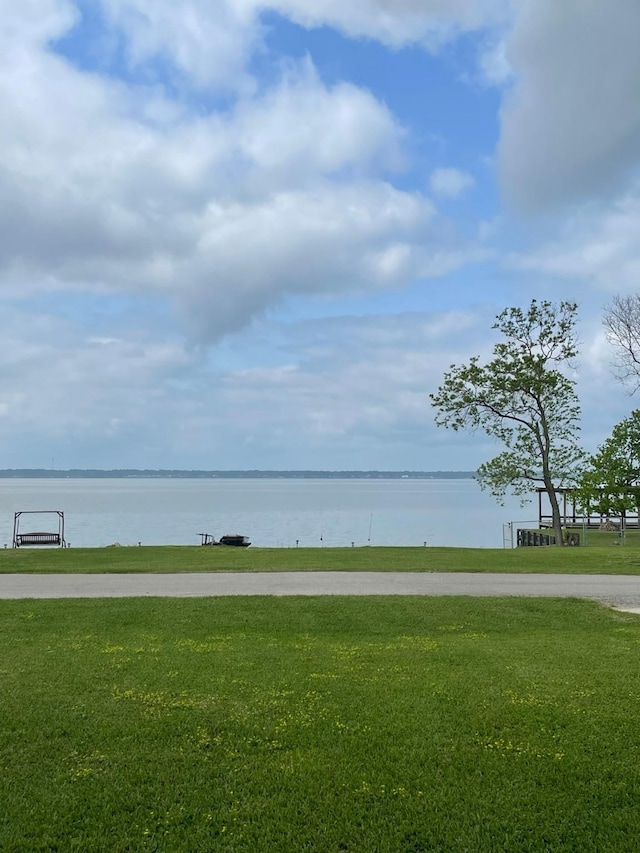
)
(38, 537)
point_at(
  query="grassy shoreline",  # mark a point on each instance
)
(164, 559)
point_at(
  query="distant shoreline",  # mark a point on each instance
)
(178, 474)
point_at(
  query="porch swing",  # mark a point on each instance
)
(39, 537)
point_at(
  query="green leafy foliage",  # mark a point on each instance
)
(610, 484)
(523, 399)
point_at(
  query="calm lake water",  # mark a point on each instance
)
(272, 513)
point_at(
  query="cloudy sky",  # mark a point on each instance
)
(254, 233)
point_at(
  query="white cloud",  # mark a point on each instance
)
(112, 188)
(396, 22)
(331, 239)
(34, 22)
(362, 384)
(450, 183)
(301, 128)
(134, 400)
(571, 122)
(81, 387)
(568, 129)
(341, 392)
(494, 66)
(207, 45)
(600, 247)
(152, 191)
(357, 379)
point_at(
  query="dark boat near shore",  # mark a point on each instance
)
(233, 539)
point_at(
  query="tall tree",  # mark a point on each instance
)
(610, 483)
(622, 322)
(522, 398)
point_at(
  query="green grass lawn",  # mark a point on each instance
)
(604, 559)
(377, 725)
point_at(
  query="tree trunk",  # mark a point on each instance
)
(553, 500)
(555, 514)
(545, 449)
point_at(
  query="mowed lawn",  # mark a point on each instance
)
(605, 556)
(331, 724)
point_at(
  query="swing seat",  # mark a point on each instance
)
(38, 538)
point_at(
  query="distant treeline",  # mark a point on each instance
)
(147, 473)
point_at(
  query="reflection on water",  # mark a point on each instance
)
(272, 513)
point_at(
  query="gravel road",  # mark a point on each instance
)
(621, 591)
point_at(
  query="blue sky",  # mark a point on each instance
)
(255, 233)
